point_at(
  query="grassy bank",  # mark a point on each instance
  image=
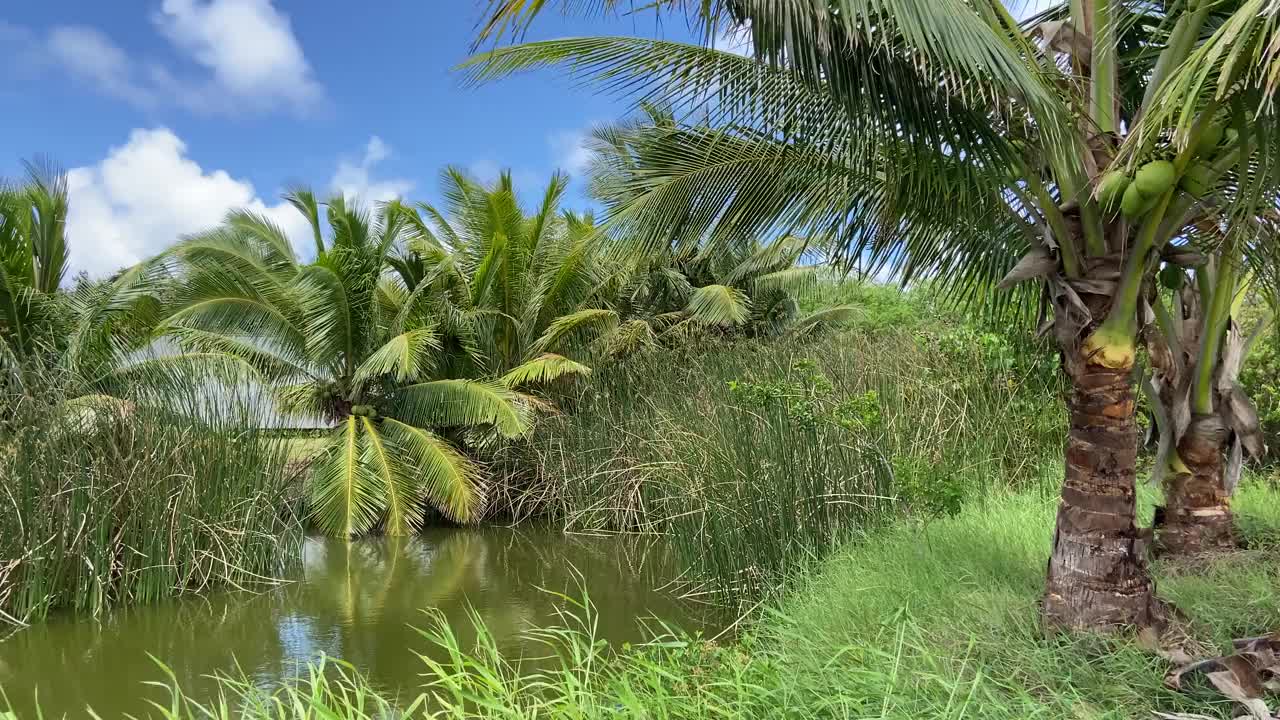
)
(107, 503)
(931, 619)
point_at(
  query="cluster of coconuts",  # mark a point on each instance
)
(368, 411)
(1135, 196)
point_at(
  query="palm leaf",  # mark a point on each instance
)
(407, 357)
(346, 497)
(544, 368)
(384, 457)
(462, 403)
(583, 321)
(719, 305)
(826, 316)
(442, 475)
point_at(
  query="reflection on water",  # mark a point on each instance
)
(358, 601)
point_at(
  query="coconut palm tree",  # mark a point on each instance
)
(90, 337)
(528, 281)
(1197, 342)
(33, 261)
(951, 122)
(344, 338)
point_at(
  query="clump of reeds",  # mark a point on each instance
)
(107, 501)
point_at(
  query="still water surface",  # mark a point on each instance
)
(357, 601)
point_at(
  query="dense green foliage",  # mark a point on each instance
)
(755, 457)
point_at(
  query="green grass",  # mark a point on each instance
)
(929, 619)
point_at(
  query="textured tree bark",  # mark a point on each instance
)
(1197, 518)
(1097, 576)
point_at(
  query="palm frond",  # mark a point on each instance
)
(719, 305)
(441, 474)
(385, 458)
(826, 316)
(544, 368)
(462, 403)
(597, 320)
(407, 357)
(346, 497)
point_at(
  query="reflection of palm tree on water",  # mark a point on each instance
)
(370, 594)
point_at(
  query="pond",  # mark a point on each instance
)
(358, 601)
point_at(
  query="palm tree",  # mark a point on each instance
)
(91, 337)
(528, 281)
(345, 339)
(33, 261)
(944, 130)
(1197, 345)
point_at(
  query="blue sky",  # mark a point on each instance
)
(169, 112)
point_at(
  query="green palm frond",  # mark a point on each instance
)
(305, 201)
(300, 399)
(792, 280)
(575, 324)
(277, 249)
(719, 305)
(462, 403)
(270, 361)
(158, 377)
(387, 459)
(47, 195)
(544, 368)
(408, 357)
(440, 474)
(346, 497)
(779, 254)
(826, 316)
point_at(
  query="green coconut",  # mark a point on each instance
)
(1210, 139)
(1172, 277)
(1133, 204)
(1197, 180)
(1155, 178)
(1111, 189)
(363, 410)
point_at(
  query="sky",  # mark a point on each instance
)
(168, 113)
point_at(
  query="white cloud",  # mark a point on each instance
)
(356, 181)
(569, 148)
(247, 45)
(146, 194)
(89, 54)
(247, 56)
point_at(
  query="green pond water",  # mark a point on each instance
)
(357, 601)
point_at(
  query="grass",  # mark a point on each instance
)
(932, 619)
(130, 503)
(758, 457)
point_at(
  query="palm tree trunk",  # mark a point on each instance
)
(1097, 576)
(1197, 514)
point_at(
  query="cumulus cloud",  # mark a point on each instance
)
(354, 180)
(146, 194)
(246, 56)
(247, 45)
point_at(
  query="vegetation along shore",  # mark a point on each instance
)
(898, 360)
